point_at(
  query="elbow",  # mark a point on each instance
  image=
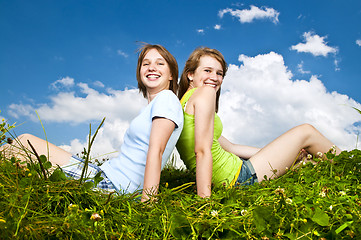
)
(202, 153)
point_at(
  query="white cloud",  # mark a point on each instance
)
(201, 31)
(337, 63)
(315, 45)
(107, 143)
(249, 15)
(84, 106)
(22, 110)
(301, 70)
(99, 84)
(64, 82)
(121, 53)
(261, 97)
(217, 26)
(358, 42)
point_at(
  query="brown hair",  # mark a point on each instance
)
(172, 63)
(193, 63)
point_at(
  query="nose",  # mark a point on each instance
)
(152, 67)
(214, 76)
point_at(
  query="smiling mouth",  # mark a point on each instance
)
(211, 85)
(152, 76)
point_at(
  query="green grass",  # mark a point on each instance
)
(309, 202)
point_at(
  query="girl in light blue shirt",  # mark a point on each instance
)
(150, 139)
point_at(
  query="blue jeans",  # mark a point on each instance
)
(247, 175)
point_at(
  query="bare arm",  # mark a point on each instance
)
(242, 151)
(162, 129)
(204, 110)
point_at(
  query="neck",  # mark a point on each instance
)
(189, 88)
(151, 96)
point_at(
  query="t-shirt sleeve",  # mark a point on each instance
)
(167, 106)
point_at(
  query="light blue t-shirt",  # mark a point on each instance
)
(127, 170)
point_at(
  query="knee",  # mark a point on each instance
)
(307, 129)
(23, 138)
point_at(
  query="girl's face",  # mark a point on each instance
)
(209, 72)
(154, 72)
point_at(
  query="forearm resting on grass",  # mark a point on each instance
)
(204, 173)
(151, 179)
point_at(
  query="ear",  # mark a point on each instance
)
(190, 76)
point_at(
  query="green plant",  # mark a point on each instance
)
(318, 201)
(4, 129)
(87, 152)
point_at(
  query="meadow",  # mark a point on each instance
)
(312, 201)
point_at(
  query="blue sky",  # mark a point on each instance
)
(74, 62)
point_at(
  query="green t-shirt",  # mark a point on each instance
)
(225, 164)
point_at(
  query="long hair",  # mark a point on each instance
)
(172, 63)
(192, 64)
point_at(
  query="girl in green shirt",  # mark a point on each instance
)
(215, 159)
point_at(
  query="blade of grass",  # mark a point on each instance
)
(90, 143)
(46, 137)
(23, 215)
(39, 160)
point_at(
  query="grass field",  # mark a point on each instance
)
(318, 201)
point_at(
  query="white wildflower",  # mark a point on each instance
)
(333, 149)
(244, 212)
(342, 193)
(309, 156)
(320, 154)
(289, 201)
(95, 217)
(279, 191)
(322, 194)
(331, 207)
(214, 213)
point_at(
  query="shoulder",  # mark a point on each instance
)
(167, 95)
(203, 99)
(167, 105)
(204, 94)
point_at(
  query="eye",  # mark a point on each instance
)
(220, 74)
(207, 70)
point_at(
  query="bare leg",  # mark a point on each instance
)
(57, 156)
(283, 151)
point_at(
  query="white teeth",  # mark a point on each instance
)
(211, 85)
(152, 76)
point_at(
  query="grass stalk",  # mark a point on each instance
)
(39, 160)
(46, 137)
(23, 215)
(87, 155)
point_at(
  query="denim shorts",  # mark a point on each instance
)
(247, 175)
(74, 169)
